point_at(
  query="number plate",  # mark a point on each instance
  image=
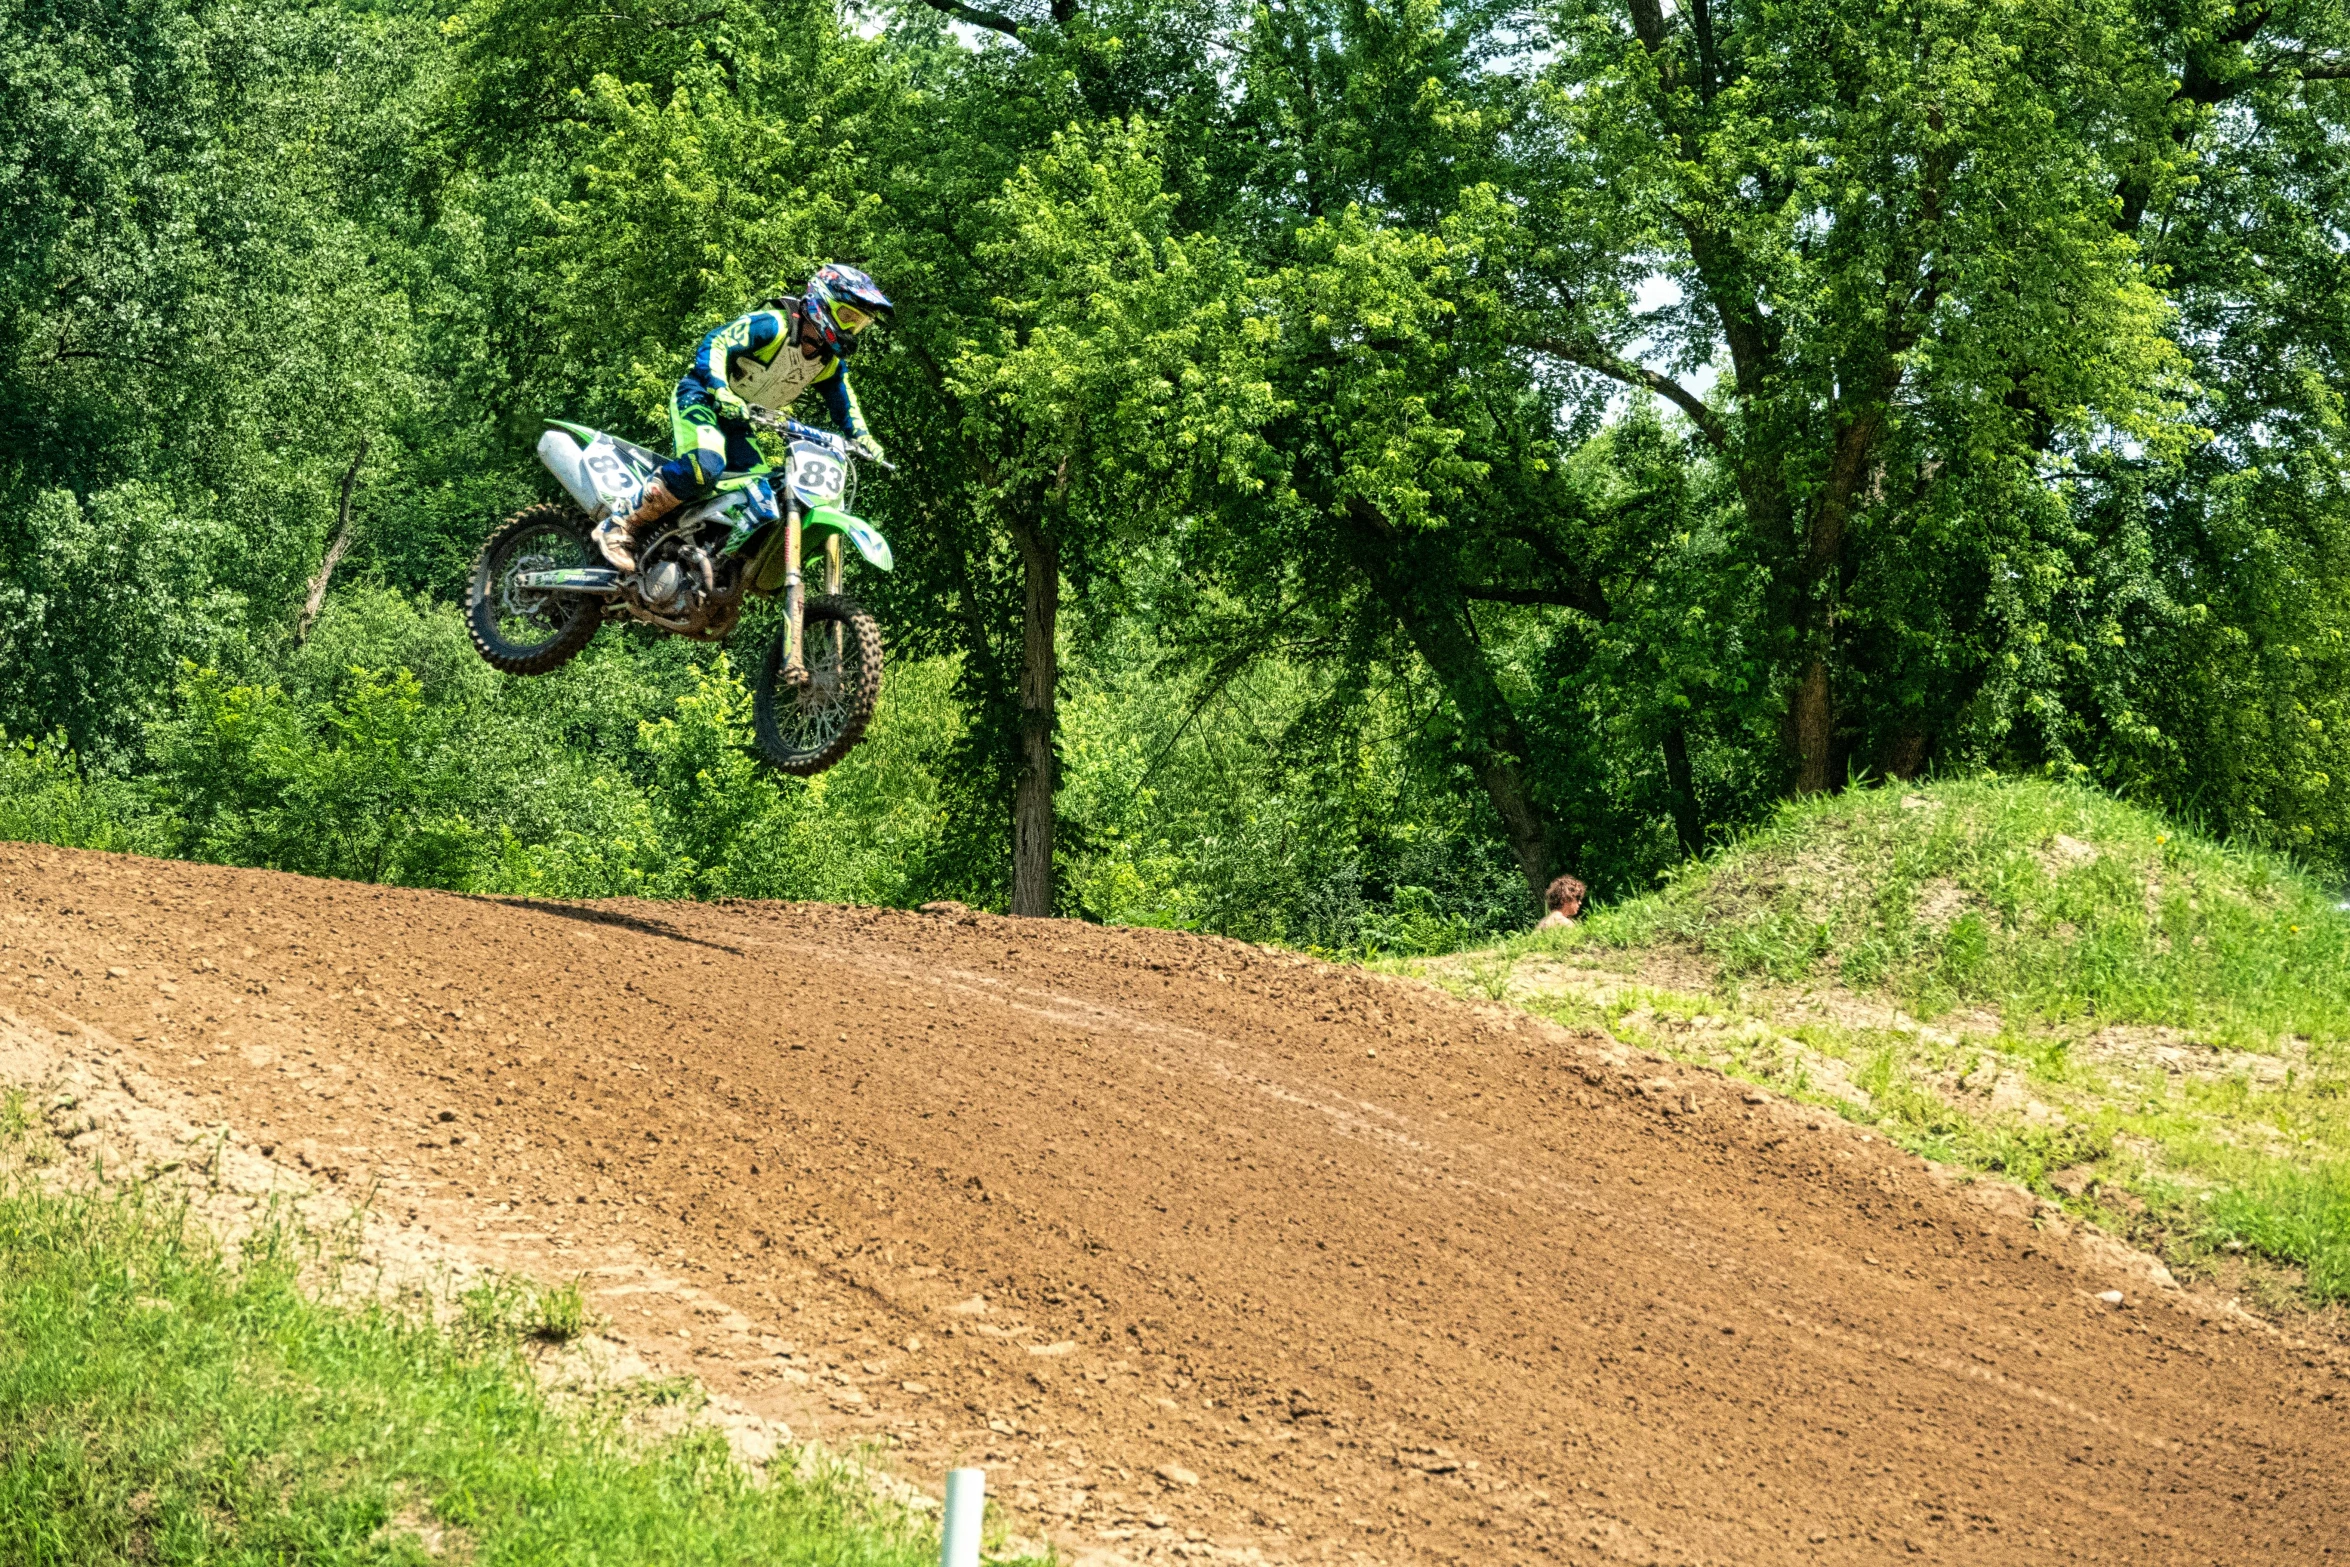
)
(817, 475)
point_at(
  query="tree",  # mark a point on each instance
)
(1892, 232)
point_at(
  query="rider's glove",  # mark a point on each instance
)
(729, 405)
(871, 445)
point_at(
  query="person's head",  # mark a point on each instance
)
(1564, 896)
(840, 303)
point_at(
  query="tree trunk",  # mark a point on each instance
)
(1436, 617)
(1688, 826)
(1815, 728)
(1815, 697)
(1032, 794)
(1904, 754)
(314, 598)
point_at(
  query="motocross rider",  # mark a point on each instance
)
(764, 359)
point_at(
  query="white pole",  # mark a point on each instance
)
(958, 1544)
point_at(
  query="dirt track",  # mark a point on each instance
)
(1204, 1248)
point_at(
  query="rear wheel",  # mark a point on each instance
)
(804, 731)
(526, 631)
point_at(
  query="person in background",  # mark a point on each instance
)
(1565, 897)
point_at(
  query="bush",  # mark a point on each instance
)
(46, 797)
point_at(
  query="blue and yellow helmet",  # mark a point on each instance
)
(840, 303)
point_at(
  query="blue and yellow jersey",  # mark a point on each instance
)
(755, 358)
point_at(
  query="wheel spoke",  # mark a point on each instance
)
(821, 710)
(530, 618)
(806, 728)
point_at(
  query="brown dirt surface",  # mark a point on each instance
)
(1204, 1250)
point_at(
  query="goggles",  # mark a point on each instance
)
(851, 319)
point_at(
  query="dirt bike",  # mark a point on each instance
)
(541, 588)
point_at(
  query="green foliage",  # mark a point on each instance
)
(2297, 1215)
(1338, 845)
(1118, 344)
(1530, 438)
(558, 1313)
(366, 785)
(2053, 902)
(46, 797)
(164, 1403)
(199, 328)
(385, 751)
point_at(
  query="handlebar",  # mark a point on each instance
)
(824, 438)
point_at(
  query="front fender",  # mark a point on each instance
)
(856, 530)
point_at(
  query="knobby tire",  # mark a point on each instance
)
(863, 634)
(481, 595)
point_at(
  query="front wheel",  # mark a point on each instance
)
(805, 731)
(528, 631)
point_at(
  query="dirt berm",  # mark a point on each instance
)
(1205, 1250)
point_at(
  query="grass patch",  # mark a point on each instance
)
(2053, 903)
(2019, 978)
(161, 1402)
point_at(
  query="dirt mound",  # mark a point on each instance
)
(1205, 1250)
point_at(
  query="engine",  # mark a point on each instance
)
(665, 588)
(678, 590)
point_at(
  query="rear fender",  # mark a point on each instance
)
(857, 531)
(603, 473)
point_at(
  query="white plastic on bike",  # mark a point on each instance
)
(604, 476)
(817, 475)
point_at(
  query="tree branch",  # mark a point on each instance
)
(315, 599)
(64, 353)
(1591, 356)
(683, 21)
(993, 21)
(1564, 598)
(2320, 68)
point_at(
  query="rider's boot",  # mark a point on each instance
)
(616, 535)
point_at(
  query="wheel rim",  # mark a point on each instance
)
(810, 719)
(527, 617)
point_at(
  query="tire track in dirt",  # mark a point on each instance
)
(1205, 1250)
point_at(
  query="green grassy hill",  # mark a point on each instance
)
(2143, 1025)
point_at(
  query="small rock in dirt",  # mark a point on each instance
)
(1176, 1474)
(2110, 1297)
(118, 973)
(2073, 1182)
(446, 1115)
(1755, 1096)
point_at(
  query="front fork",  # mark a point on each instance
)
(795, 596)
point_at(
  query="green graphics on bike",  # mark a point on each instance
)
(540, 589)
